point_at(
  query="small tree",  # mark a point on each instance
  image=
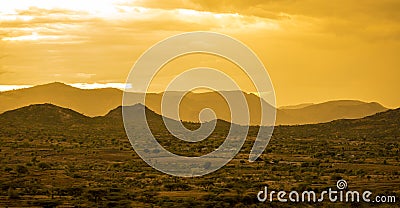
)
(43, 165)
(21, 169)
(13, 194)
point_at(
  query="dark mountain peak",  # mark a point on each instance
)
(119, 108)
(47, 89)
(349, 103)
(297, 106)
(346, 101)
(328, 111)
(46, 114)
(59, 86)
(53, 85)
(136, 108)
(35, 107)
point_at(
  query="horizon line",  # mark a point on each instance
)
(96, 85)
(122, 86)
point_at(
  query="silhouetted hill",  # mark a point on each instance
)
(72, 157)
(91, 102)
(117, 112)
(298, 106)
(52, 114)
(98, 102)
(42, 114)
(383, 121)
(115, 115)
(380, 125)
(328, 111)
(193, 103)
(154, 119)
(389, 117)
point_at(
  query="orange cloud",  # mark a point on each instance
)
(314, 50)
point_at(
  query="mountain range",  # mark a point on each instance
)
(99, 102)
(49, 115)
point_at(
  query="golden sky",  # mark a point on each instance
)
(313, 50)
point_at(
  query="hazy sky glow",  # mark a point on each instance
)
(314, 50)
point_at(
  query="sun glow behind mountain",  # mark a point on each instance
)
(313, 51)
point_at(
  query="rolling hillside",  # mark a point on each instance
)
(49, 114)
(98, 102)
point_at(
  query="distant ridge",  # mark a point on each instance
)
(328, 111)
(91, 102)
(298, 106)
(49, 114)
(379, 125)
(98, 102)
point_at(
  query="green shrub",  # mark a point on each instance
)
(21, 169)
(43, 166)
